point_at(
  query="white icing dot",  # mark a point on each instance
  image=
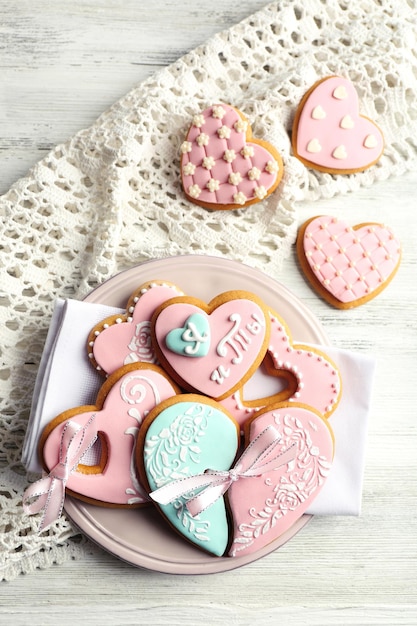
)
(188, 169)
(313, 146)
(247, 152)
(224, 132)
(229, 156)
(208, 162)
(194, 191)
(186, 146)
(370, 141)
(198, 120)
(254, 173)
(239, 198)
(340, 152)
(235, 178)
(340, 92)
(271, 167)
(203, 140)
(218, 112)
(347, 122)
(96, 332)
(213, 185)
(318, 113)
(241, 126)
(260, 192)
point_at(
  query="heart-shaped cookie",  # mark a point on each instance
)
(330, 135)
(314, 380)
(219, 354)
(222, 165)
(347, 265)
(263, 507)
(122, 339)
(181, 438)
(108, 474)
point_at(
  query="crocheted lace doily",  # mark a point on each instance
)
(111, 197)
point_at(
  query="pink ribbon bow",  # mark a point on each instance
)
(48, 493)
(215, 483)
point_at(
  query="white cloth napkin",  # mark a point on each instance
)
(66, 379)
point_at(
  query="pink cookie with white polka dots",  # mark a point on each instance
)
(222, 165)
(330, 135)
(347, 265)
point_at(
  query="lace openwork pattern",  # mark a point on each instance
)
(111, 196)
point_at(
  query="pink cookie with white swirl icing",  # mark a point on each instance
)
(264, 507)
(106, 475)
(222, 165)
(347, 265)
(313, 379)
(330, 135)
(122, 339)
(212, 348)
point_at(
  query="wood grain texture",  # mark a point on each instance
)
(63, 63)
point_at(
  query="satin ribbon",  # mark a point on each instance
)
(215, 483)
(48, 493)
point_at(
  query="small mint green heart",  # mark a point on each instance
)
(193, 339)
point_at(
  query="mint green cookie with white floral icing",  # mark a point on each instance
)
(183, 439)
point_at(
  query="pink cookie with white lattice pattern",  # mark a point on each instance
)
(347, 265)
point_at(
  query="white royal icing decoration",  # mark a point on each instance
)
(314, 146)
(208, 162)
(189, 169)
(340, 92)
(203, 140)
(224, 132)
(340, 152)
(194, 191)
(213, 185)
(239, 198)
(218, 112)
(318, 113)
(370, 141)
(229, 155)
(347, 122)
(235, 178)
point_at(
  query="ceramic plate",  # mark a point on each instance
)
(140, 536)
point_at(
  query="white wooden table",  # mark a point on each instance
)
(62, 64)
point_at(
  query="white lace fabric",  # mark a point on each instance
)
(111, 196)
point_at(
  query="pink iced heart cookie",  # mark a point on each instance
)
(347, 265)
(212, 348)
(106, 474)
(313, 379)
(264, 506)
(222, 165)
(122, 339)
(330, 135)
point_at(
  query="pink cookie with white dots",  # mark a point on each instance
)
(330, 135)
(222, 165)
(347, 265)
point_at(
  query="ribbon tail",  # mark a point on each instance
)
(46, 495)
